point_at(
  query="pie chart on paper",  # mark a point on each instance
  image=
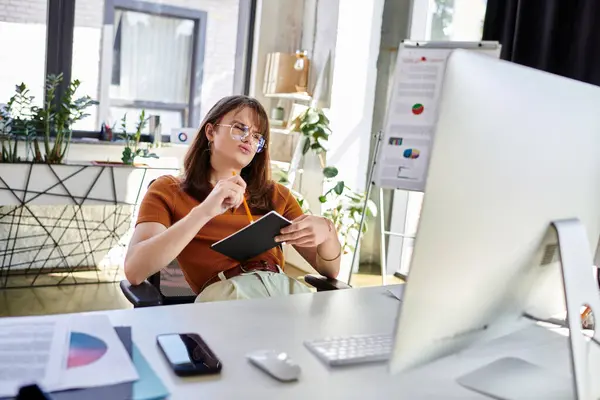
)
(418, 109)
(84, 349)
(413, 154)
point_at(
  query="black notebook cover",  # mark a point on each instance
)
(253, 239)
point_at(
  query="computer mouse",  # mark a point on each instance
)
(279, 365)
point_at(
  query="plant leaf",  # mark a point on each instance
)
(339, 188)
(319, 132)
(330, 172)
(322, 199)
(372, 208)
(306, 146)
(312, 117)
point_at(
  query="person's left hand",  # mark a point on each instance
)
(306, 231)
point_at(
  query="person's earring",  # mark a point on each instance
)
(210, 146)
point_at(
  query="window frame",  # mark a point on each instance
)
(200, 18)
(59, 50)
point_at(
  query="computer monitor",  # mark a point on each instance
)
(514, 149)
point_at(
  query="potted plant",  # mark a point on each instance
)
(45, 198)
(52, 123)
(132, 150)
(16, 122)
(339, 203)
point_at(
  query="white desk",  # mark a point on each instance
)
(234, 328)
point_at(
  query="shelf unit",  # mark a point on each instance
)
(281, 131)
(290, 96)
(287, 100)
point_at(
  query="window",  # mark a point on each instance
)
(456, 20)
(156, 62)
(23, 42)
(171, 58)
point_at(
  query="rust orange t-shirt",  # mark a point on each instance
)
(166, 203)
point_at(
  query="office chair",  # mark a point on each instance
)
(170, 287)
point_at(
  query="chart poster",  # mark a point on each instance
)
(411, 118)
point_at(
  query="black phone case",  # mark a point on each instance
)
(204, 361)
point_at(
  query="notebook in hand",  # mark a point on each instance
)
(253, 239)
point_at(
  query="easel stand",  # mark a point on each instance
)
(379, 138)
(530, 381)
(409, 125)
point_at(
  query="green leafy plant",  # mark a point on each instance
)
(343, 205)
(53, 123)
(132, 141)
(314, 126)
(346, 211)
(15, 122)
(57, 117)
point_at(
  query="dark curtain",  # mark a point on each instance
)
(558, 36)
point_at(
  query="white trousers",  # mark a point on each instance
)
(252, 285)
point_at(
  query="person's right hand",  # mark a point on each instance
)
(227, 193)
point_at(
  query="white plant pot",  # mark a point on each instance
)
(66, 218)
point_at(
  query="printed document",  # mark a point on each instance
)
(96, 355)
(31, 351)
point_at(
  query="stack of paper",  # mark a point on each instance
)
(77, 352)
(31, 351)
(96, 356)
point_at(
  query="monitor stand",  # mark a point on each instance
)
(514, 378)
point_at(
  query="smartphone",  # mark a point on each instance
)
(188, 354)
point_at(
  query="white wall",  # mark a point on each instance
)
(395, 27)
(353, 92)
(353, 88)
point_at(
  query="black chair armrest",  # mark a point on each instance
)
(322, 283)
(143, 295)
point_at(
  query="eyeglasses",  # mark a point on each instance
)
(240, 132)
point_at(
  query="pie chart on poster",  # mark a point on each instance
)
(418, 109)
(84, 349)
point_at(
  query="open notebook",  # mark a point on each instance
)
(253, 239)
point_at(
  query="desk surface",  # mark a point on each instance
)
(234, 328)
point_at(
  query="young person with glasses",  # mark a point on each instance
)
(181, 217)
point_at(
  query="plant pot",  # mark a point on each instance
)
(119, 163)
(62, 218)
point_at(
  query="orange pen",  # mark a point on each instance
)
(586, 312)
(245, 205)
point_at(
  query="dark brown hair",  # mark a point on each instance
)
(257, 174)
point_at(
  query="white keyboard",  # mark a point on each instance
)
(356, 349)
